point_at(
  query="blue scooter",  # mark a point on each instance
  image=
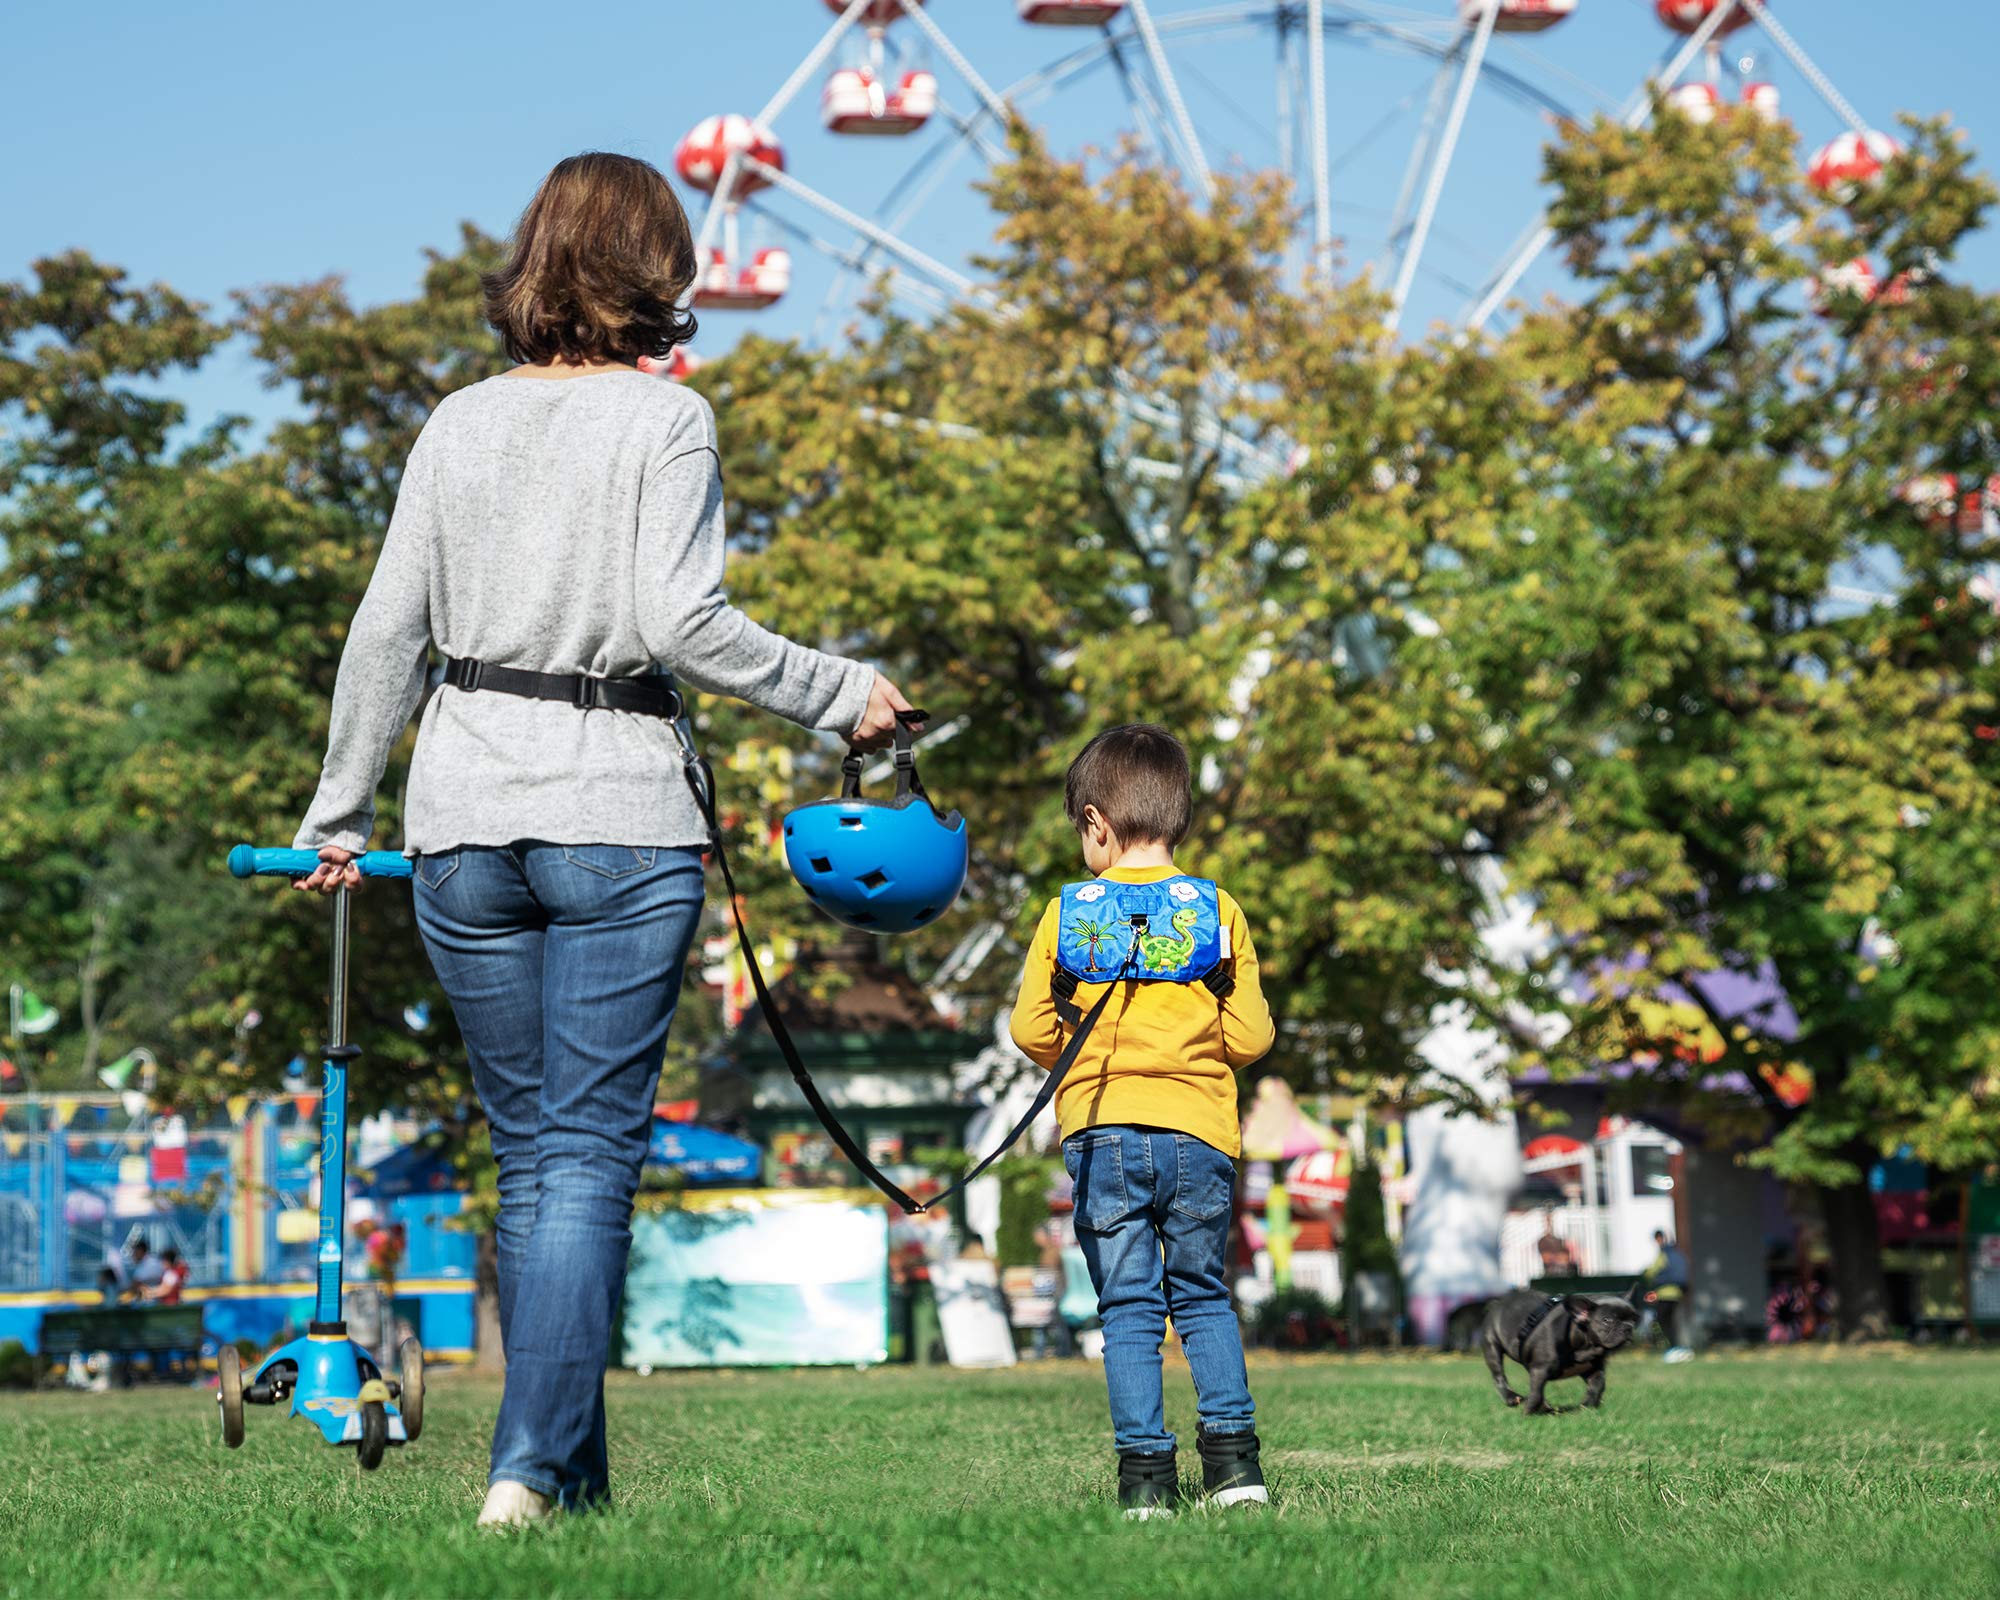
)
(329, 1379)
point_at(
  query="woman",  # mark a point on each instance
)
(564, 519)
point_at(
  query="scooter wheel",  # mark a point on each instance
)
(411, 1401)
(229, 1394)
(374, 1434)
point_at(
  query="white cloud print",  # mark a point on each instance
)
(1183, 891)
(1092, 891)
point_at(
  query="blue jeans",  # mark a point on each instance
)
(563, 965)
(1152, 1218)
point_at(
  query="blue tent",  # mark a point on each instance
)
(422, 1167)
(703, 1155)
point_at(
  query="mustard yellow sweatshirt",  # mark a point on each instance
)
(1163, 1055)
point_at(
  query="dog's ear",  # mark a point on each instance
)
(1579, 1306)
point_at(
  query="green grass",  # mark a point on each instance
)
(1767, 1475)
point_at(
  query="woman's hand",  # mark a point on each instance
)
(878, 722)
(336, 870)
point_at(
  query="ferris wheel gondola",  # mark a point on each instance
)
(731, 157)
(1519, 16)
(1846, 163)
(884, 93)
(1069, 13)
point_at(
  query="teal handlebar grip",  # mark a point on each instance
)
(245, 861)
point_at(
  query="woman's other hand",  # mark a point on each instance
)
(336, 870)
(878, 722)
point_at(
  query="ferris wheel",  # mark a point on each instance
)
(1371, 109)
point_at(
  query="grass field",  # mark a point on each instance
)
(1772, 1475)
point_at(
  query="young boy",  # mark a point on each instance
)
(1148, 1108)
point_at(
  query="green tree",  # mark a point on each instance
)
(1738, 771)
(1140, 477)
(175, 610)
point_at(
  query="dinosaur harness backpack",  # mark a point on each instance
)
(1166, 932)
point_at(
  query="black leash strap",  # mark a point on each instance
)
(1051, 1083)
(701, 779)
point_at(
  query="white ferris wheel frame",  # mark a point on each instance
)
(1134, 48)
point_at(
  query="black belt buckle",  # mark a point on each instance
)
(587, 693)
(464, 674)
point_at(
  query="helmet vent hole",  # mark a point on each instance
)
(860, 918)
(927, 913)
(851, 822)
(874, 878)
(821, 864)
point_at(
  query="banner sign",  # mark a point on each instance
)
(760, 1278)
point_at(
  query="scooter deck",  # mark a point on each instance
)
(327, 1391)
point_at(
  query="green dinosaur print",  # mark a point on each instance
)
(1158, 954)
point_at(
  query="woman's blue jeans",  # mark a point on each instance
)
(1152, 1219)
(563, 965)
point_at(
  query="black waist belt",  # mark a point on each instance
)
(650, 697)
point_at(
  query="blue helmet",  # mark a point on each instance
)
(883, 866)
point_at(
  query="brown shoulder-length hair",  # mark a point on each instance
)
(600, 261)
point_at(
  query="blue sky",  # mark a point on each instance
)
(220, 144)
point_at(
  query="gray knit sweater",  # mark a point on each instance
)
(562, 525)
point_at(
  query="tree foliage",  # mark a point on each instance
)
(1564, 600)
(1747, 773)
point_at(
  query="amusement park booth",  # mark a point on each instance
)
(84, 1176)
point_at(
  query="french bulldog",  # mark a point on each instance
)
(1571, 1336)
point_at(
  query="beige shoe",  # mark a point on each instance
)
(512, 1505)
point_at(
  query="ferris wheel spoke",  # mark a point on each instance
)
(815, 59)
(1540, 236)
(852, 261)
(1420, 155)
(908, 197)
(1170, 91)
(913, 9)
(712, 216)
(1316, 94)
(1468, 76)
(904, 251)
(1146, 113)
(1822, 84)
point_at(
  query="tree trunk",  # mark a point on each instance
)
(488, 1355)
(1849, 1212)
(87, 971)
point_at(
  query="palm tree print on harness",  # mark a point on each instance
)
(1093, 933)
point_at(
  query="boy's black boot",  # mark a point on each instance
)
(1149, 1484)
(1230, 1474)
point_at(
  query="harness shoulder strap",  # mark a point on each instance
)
(1062, 995)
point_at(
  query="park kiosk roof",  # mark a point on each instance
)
(880, 1052)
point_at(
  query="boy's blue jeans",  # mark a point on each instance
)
(563, 966)
(1152, 1218)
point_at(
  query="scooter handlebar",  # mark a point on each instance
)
(246, 861)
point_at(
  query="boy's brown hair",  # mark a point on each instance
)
(1137, 777)
(599, 263)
